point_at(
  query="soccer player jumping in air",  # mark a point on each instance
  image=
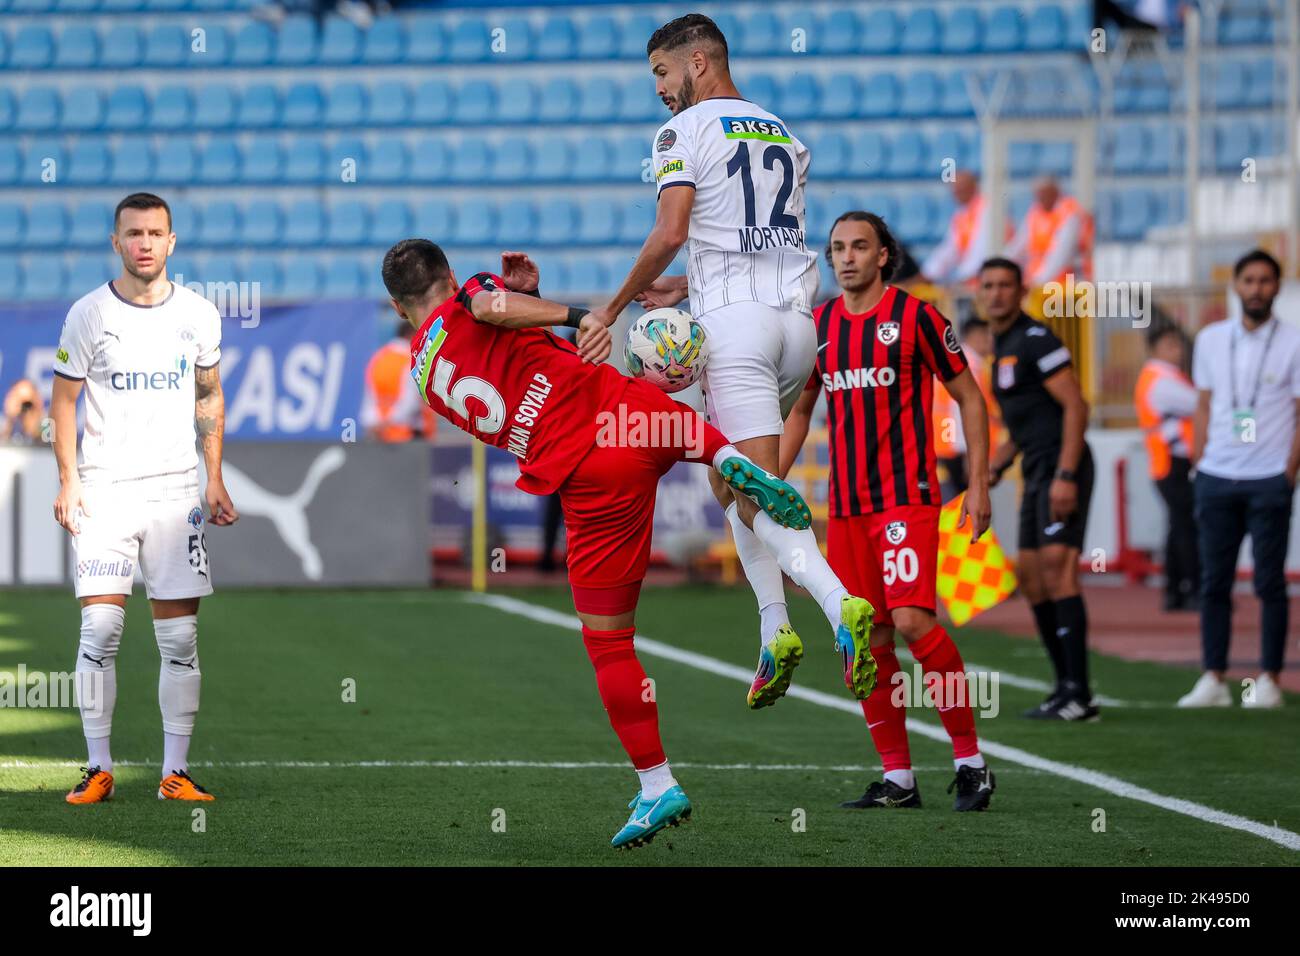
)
(484, 360)
(731, 180)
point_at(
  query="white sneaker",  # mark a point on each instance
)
(1264, 695)
(1209, 691)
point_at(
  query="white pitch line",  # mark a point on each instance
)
(1091, 778)
(459, 764)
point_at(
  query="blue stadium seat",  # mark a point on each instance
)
(304, 162)
(214, 106)
(515, 43)
(425, 41)
(13, 222)
(347, 149)
(916, 218)
(638, 220)
(220, 268)
(44, 279)
(390, 223)
(303, 106)
(475, 103)
(880, 32)
(1235, 141)
(920, 31)
(132, 164)
(557, 222)
(259, 106)
(40, 157)
(4, 45)
(387, 161)
(88, 272)
(265, 272)
(346, 105)
(1261, 82)
(840, 97)
(1045, 29)
(598, 38)
(961, 31)
(219, 162)
(552, 160)
(347, 223)
(172, 109)
(1243, 27)
(304, 223)
(949, 146)
(1134, 212)
(38, 109)
(8, 109)
(1056, 159)
(33, 48)
(907, 153)
(432, 104)
(390, 104)
(1230, 85)
(761, 35)
(592, 160)
(262, 160)
(598, 101)
(385, 42)
(254, 45)
(262, 224)
(10, 279)
(176, 163)
(830, 155)
(88, 162)
(10, 162)
(185, 221)
(344, 279)
(128, 109)
(1005, 31)
(955, 100)
(297, 41)
(91, 224)
(922, 94)
(839, 33)
(1165, 152)
(558, 102)
(631, 157)
(516, 101)
(470, 42)
(1022, 159)
(302, 279)
(431, 160)
(340, 42)
(78, 48)
(869, 156)
(760, 88)
(47, 225)
(882, 204)
(516, 222)
(433, 219)
(122, 47)
(638, 102)
(816, 217)
(514, 160)
(586, 276)
(216, 47)
(557, 40)
(121, 6)
(730, 25)
(166, 45)
(880, 96)
(474, 160)
(83, 109)
(598, 222)
(637, 30)
(476, 223)
(801, 97)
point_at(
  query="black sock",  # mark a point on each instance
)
(1072, 629)
(1045, 618)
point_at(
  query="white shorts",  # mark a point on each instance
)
(156, 523)
(759, 362)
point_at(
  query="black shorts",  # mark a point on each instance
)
(1037, 529)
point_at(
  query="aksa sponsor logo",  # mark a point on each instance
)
(754, 127)
(887, 333)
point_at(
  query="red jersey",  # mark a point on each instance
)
(878, 370)
(524, 390)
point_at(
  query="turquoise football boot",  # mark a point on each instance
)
(778, 498)
(650, 816)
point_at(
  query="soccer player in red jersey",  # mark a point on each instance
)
(485, 361)
(878, 352)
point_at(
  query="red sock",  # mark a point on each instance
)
(945, 677)
(632, 710)
(887, 722)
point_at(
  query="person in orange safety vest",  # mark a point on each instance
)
(392, 409)
(1055, 238)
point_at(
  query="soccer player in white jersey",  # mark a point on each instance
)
(145, 352)
(731, 180)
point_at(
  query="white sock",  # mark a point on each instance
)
(902, 778)
(656, 781)
(178, 675)
(975, 760)
(725, 452)
(763, 574)
(101, 634)
(176, 753)
(799, 557)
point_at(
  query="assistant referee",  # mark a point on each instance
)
(1046, 415)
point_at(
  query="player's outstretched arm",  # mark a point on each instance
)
(210, 418)
(975, 426)
(63, 413)
(796, 427)
(664, 293)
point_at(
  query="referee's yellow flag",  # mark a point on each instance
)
(973, 576)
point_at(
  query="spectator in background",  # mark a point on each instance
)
(23, 415)
(1166, 399)
(1246, 449)
(391, 409)
(949, 439)
(1055, 238)
(958, 258)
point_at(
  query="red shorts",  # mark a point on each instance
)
(609, 499)
(891, 558)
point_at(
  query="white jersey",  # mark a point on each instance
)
(138, 365)
(746, 239)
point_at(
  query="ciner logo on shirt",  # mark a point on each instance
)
(753, 127)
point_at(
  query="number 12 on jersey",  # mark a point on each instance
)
(773, 156)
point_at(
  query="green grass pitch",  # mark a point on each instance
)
(440, 679)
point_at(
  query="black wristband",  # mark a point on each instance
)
(575, 316)
(535, 293)
(1063, 474)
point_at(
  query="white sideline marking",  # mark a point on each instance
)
(460, 764)
(1091, 778)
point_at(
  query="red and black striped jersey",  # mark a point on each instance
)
(878, 370)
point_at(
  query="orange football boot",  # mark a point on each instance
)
(179, 786)
(95, 787)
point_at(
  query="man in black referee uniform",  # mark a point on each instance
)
(1046, 415)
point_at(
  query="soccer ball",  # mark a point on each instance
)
(667, 348)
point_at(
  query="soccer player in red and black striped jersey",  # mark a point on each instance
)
(879, 350)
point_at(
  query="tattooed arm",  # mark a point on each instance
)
(210, 418)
